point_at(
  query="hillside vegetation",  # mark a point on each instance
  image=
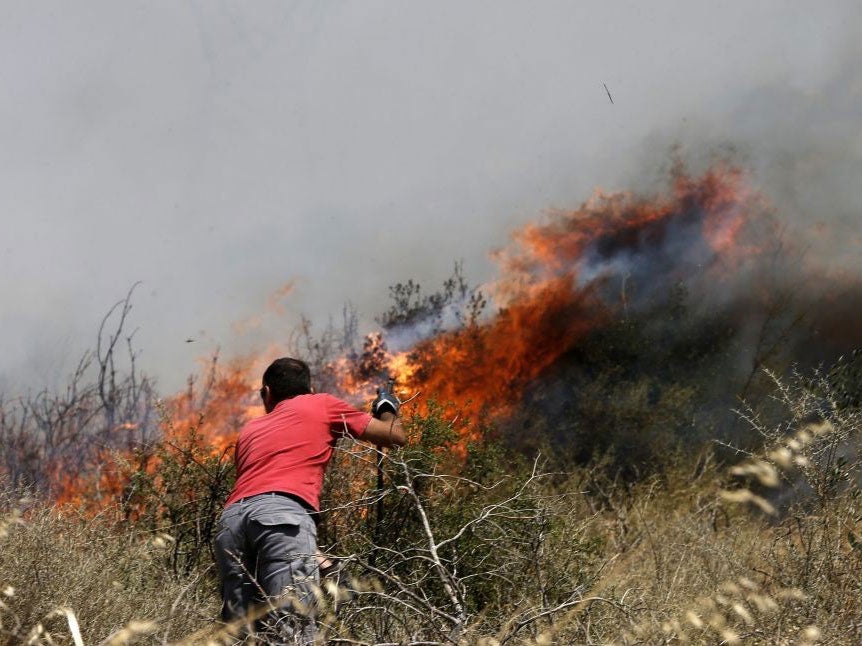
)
(659, 482)
(494, 547)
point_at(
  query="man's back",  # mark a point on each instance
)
(288, 449)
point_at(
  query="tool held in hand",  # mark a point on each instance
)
(387, 401)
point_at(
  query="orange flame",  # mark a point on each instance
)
(549, 296)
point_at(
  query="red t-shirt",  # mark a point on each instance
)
(287, 450)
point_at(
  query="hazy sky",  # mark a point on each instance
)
(215, 151)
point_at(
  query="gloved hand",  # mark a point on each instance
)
(387, 401)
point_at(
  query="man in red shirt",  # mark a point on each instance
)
(267, 539)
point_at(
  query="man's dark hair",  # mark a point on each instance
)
(286, 378)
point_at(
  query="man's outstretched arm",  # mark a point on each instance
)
(386, 431)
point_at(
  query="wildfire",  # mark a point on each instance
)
(572, 272)
(559, 279)
(205, 416)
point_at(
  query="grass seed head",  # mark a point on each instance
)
(819, 429)
(716, 621)
(764, 472)
(811, 634)
(744, 495)
(783, 457)
(763, 603)
(131, 631)
(693, 619)
(794, 594)
(741, 610)
(747, 583)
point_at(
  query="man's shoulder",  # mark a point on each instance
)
(323, 405)
(328, 402)
(312, 402)
(311, 399)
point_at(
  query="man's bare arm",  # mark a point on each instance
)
(386, 431)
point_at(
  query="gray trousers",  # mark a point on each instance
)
(266, 550)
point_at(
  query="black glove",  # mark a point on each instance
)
(386, 402)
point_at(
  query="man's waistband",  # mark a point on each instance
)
(297, 499)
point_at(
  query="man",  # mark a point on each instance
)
(266, 544)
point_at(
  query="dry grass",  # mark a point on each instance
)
(768, 551)
(59, 569)
(680, 566)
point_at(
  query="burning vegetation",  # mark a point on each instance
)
(631, 346)
(631, 324)
(575, 273)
